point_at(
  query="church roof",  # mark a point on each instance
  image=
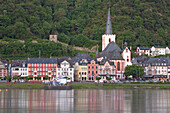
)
(112, 52)
(108, 24)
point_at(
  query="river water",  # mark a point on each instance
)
(85, 101)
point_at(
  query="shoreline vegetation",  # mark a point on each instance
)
(89, 86)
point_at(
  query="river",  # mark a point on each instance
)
(85, 101)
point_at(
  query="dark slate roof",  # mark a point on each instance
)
(142, 59)
(42, 60)
(143, 48)
(61, 59)
(80, 56)
(112, 52)
(158, 61)
(18, 63)
(134, 61)
(108, 24)
(3, 64)
(168, 61)
(159, 47)
(104, 61)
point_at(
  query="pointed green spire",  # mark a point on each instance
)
(108, 24)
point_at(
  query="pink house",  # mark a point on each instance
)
(92, 68)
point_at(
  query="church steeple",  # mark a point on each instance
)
(108, 24)
(97, 53)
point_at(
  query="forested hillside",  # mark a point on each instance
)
(82, 22)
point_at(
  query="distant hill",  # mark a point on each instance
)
(82, 22)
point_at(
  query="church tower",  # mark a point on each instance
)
(108, 36)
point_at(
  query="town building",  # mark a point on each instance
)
(153, 67)
(19, 67)
(143, 51)
(80, 62)
(157, 50)
(65, 68)
(107, 69)
(169, 68)
(92, 69)
(42, 67)
(3, 68)
(167, 50)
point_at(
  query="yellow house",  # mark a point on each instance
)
(80, 73)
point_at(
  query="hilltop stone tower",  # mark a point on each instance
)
(108, 36)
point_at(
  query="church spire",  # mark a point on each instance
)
(108, 24)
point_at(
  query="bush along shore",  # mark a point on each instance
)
(88, 86)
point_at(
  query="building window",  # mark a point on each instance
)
(118, 66)
(96, 67)
(109, 40)
(70, 69)
(96, 73)
(92, 67)
(127, 58)
(89, 67)
(92, 72)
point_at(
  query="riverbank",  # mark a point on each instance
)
(86, 86)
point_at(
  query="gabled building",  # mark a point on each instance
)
(107, 69)
(80, 62)
(92, 69)
(154, 67)
(167, 50)
(3, 68)
(65, 68)
(19, 67)
(42, 67)
(157, 50)
(143, 51)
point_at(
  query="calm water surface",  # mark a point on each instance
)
(85, 101)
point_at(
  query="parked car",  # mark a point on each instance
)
(146, 80)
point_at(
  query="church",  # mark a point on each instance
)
(112, 53)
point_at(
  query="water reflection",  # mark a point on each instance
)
(85, 101)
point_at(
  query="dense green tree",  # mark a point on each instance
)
(139, 22)
(134, 70)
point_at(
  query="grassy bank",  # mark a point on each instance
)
(21, 86)
(86, 86)
(115, 86)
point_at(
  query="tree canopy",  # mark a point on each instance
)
(134, 70)
(82, 22)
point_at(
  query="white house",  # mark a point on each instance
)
(19, 67)
(65, 68)
(167, 50)
(143, 50)
(157, 50)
